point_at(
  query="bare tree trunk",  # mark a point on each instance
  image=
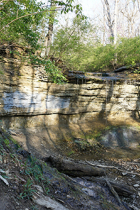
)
(110, 24)
(48, 38)
(104, 24)
(131, 13)
(115, 21)
(115, 29)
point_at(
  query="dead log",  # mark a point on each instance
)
(122, 189)
(125, 68)
(72, 167)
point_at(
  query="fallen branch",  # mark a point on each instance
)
(133, 207)
(48, 202)
(113, 192)
(4, 180)
(121, 189)
(112, 167)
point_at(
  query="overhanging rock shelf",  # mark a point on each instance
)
(26, 100)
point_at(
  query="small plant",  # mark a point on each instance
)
(93, 135)
(71, 152)
(27, 190)
(33, 169)
(107, 128)
(47, 190)
(6, 142)
(137, 71)
(34, 208)
(53, 71)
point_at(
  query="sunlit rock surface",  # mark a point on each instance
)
(26, 91)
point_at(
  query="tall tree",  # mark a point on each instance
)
(115, 21)
(18, 21)
(65, 7)
(48, 38)
(18, 18)
(109, 19)
(131, 12)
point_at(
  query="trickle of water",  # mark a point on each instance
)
(106, 90)
(112, 85)
(106, 101)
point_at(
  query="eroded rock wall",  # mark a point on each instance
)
(28, 99)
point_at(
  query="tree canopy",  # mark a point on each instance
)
(82, 43)
(21, 23)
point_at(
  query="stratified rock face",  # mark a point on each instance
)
(26, 91)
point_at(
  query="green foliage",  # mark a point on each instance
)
(53, 71)
(128, 51)
(33, 168)
(80, 48)
(23, 30)
(93, 56)
(27, 190)
(71, 152)
(72, 43)
(21, 19)
(68, 6)
(21, 22)
(6, 141)
(1, 146)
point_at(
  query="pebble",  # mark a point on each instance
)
(89, 192)
(133, 176)
(136, 185)
(68, 196)
(124, 173)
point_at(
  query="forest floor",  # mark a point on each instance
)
(27, 181)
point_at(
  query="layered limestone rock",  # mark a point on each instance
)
(28, 99)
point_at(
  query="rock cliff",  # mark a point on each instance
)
(28, 99)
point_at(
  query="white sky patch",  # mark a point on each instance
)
(91, 7)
